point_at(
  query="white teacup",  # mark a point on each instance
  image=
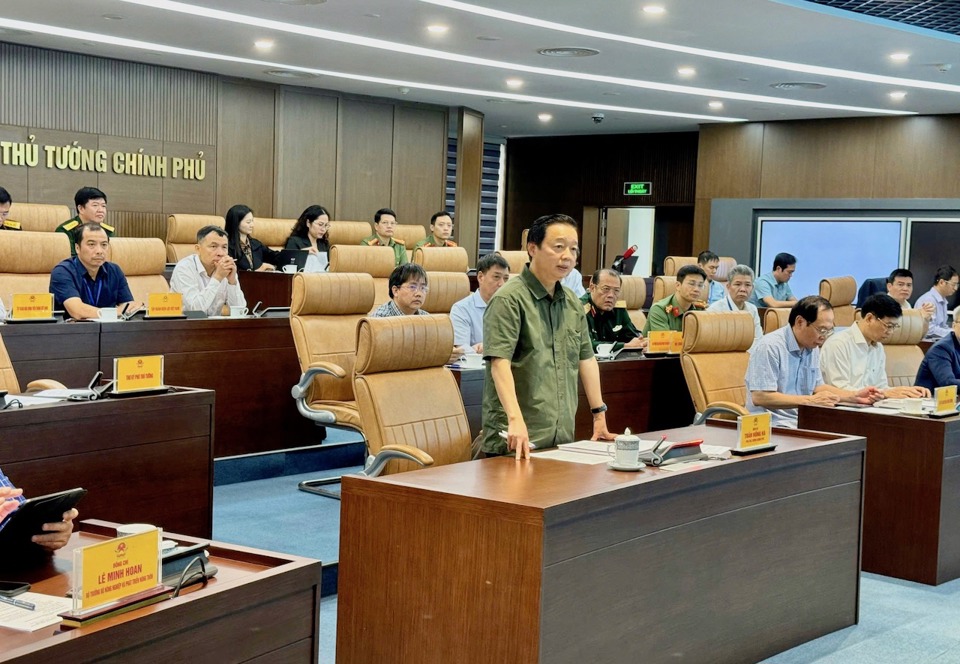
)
(625, 450)
(126, 529)
(604, 350)
(108, 314)
(238, 312)
(289, 269)
(471, 361)
(912, 407)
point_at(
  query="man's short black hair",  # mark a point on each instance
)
(382, 211)
(881, 306)
(783, 260)
(538, 230)
(5, 196)
(707, 256)
(687, 270)
(901, 273)
(944, 272)
(206, 230)
(404, 273)
(492, 260)
(437, 215)
(91, 226)
(595, 277)
(87, 194)
(808, 308)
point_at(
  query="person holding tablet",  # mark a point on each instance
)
(56, 535)
(250, 253)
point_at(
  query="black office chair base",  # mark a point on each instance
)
(315, 487)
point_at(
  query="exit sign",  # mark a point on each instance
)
(636, 188)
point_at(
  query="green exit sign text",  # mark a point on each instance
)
(636, 188)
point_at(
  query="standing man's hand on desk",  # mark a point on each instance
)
(56, 535)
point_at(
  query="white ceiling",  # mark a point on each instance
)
(787, 30)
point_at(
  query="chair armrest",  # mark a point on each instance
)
(45, 384)
(299, 391)
(720, 407)
(376, 464)
(418, 455)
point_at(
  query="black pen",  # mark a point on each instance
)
(30, 606)
(125, 307)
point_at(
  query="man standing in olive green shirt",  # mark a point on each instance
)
(607, 317)
(385, 225)
(667, 314)
(536, 340)
(91, 209)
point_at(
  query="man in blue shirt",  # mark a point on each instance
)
(84, 284)
(709, 262)
(941, 364)
(773, 290)
(945, 283)
(493, 270)
(784, 369)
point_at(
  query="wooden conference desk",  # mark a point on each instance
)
(548, 561)
(273, 289)
(641, 393)
(66, 352)
(142, 459)
(911, 507)
(261, 607)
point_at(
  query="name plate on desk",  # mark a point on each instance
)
(32, 305)
(115, 569)
(945, 400)
(676, 342)
(136, 374)
(753, 434)
(659, 341)
(165, 305)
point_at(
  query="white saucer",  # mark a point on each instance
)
(631, 469)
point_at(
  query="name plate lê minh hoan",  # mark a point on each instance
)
(136, 374)
(165, 305)
(32, 305)
(116, 569)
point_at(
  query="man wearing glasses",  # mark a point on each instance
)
(945, 283)
(784, 368)
(607, 317)
(408, 290)
(853, 358)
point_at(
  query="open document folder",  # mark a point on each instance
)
(593, 452)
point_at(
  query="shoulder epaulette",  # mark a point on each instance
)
(108, 228)
(375, 242)
(70, 225)
(400, 242)
(586, 307)
(12, 225)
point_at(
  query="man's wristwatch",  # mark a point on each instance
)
(602, 409)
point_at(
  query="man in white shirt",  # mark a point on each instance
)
(900, 288)
(574, 281)
(493, 271)
(208, 279)
(739, 289)
(854, 359)
(945, 283)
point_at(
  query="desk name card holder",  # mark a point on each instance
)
(32, 307)
(165, 305)
(753, 434)
(945, 401)
(676, 342)
(658, 341)
(141, 374)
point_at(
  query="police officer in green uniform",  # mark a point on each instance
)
(667, 314)
(536, 340)
(5, 202)
(607, 317)
(385, 224)
(91, 208)
(441, 228)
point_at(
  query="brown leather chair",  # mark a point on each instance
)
(664, 286)
(446, 289)
(714, 361)
(348, 232)
(404, 393)
(775, 318)
(516, 259)
(182, 233)
(378, 262)
(726, 264)
(8, 377)
(673, 263)
(410, 234)
(143, 261)
(902, 352)
(272, 232)
(26, 260)
(633, 292)
(38, 217)
(441, 259)
(840, 292)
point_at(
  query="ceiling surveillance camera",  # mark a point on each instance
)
(597, 118)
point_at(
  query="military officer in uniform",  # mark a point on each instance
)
(385, 224)
(441, 228)
(5, 202)
(607, 317)
(91, 209)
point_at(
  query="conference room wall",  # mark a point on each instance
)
(276, 148)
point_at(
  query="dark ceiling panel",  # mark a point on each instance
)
(939, 15)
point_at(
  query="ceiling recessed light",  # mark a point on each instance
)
(263, 44)
(654, 9)
(716, 105)
(899, 57)
(514, 83)
(898, 95)
(437, 29)
(545, 117)
(568, 52)
(686, 71)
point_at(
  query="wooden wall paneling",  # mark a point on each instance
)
(131, 193)
(191, 196)
(419, 164)
(139, 224)
(469, 178)
(245, 147)
(364, 159)
(700, 238)
(306, 152)
(917, 157)
(14, 178)
(819, 159)
(590, 241)
(52, 185)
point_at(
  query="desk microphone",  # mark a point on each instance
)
(618, 264)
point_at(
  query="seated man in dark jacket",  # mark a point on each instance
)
(941, 364)
(607, 317)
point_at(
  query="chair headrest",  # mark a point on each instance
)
(319, 293)
(911, 330)
(839, 291)
(403, 343)
(272, 232)
(182, 228)
(39, 217)
(516, 259)
(446, 289)
(138, 256)
(721, 332)
(27, 252)
(726, 264)
(673, 263)
(348, 232)
(441, 259)
(633, 291)
(410, 234)
(375, 261)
